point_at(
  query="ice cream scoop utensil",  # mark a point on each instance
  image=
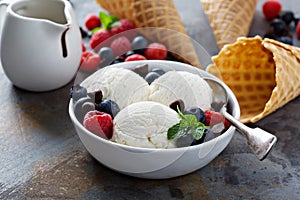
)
(258, 140)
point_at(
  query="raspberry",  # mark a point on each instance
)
(212, 118)
(271, 9)
(99, 38)
(125, 25)
(298, 29)
(120, 45)
(89, 61)
(83, 47)
(156, 51)
(99, 123)
(135, 57)
(92, 21)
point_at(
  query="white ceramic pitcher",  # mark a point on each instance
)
(40, 43)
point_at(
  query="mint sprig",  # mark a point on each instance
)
(187, 125)
(108, 21)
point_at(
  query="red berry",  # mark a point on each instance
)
(213, 118)
(120, 45)
(92, 21)
(89, 61)
(271, 9)
(135, 57)
(156, 51)
(99, 123)
(83, 47)
(298, 29)
(99, 39)
(125, 25)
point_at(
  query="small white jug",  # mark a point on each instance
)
(40, 43)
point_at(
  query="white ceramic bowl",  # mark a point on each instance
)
(156, 163)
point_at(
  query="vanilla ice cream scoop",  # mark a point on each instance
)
(174, 85)
(118, 84)
(145, 124)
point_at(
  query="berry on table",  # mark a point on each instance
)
(99, 123)
(285, 39)
(92, 21)
(271, 9)
(298, 30)
(106, 55)
(139, 44)
(90, 61)
(156, 51)
(118, 60)
(99, 39)
(279, 27)
(83, 48)
(120, 45)
(124, 26)
(135, 57)
(288, 17)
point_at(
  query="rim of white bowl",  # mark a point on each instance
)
(232, 98)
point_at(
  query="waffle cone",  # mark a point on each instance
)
(229, 19)
(164, 20)
(263, 74)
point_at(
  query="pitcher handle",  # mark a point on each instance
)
(3, 3)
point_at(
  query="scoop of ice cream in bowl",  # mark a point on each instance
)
(150, 126)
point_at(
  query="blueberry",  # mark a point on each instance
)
(285, 39)
(185, 141)
(178, 103)
(139, 44)
(108, 106)
(77, 92)
(288, 17)
(129, 53)
(158, 70)
(279, 26)
(82, 106)
(197, 112)
(270, 35)
(106, 55)
(118, 60)
(151, 76)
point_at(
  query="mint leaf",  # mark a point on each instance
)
(187, 125)
(95, 30)
(172, 131)
(199, 132)
(107, 20)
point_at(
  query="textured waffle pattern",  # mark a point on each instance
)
(287, 59)
(162, 14)
(229, 19)
(263, 74)
(249, 70)
(121, 9)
